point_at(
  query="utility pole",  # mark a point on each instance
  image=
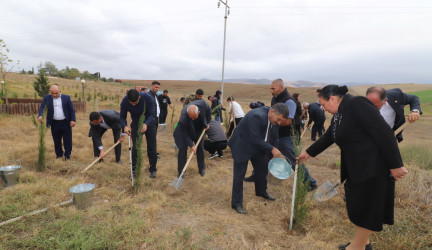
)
(223, 58)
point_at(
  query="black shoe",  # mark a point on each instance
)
(202, 172)
(313, 140)
(58, 157)
(267, 196)
(239, 209)
(67, 158)
(100, 160)
(213, 156)
(344, 246)
(312, 187)
(249, 179)
(153, 175)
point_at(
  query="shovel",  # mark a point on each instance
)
(177, 182)
(100, 157)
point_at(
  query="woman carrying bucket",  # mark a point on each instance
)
(370, 161)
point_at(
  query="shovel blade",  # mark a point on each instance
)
(177, 182)
(325, 192)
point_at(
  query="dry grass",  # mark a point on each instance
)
(199, 214)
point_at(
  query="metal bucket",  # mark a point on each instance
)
(279, 170)
(9, 175)
(82, 195)
(162, 127)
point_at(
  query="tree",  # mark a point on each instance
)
(41, 84)
(50, 68)
(6, 63)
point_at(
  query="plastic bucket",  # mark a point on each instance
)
(9, 175)
(82, 195)
(279, 170)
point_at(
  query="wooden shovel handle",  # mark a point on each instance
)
(94, 162)
(401, 128)
(192, 154)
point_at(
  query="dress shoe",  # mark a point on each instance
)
(67, 158)
(239, 209)
(344, 246)
(267, 196)
(153, 175)
(250, 178)
(100, 160)
(202, 172)
(59, 156)
(119, 162)
(312, 187)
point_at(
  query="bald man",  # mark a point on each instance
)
(195, 117)
(61, 119)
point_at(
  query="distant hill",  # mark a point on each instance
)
(265, 81)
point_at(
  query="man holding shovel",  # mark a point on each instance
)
(137, 103)
(100, 122)
(255, 139)
(194, 117)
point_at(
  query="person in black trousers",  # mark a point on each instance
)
(216, 140)
(100, 122)
(194, 118)
(137, 103)
(61, 119)
(255, 139)
(317, 116)
(164, 101)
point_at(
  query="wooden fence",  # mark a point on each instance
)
(30, 106)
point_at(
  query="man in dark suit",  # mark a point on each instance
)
(137, 103)
(194, 118)
(391, 104)
(317, 116)
(100, 122)
(61, 119)
(255, 139)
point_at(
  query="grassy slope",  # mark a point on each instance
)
(199, 214)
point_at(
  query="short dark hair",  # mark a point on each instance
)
(94, 116)
(199, 92)
(281, 109)
(218, 93)
(333, 90)
(231, 98)
(133, 95)
(156, 83)
(318, 90)
(295, 96)
(380, 91)
(165, 91)
(182, 98)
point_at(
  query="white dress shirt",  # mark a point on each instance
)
(58, 109)
(389, 114)
(238, 111)
(157, 106)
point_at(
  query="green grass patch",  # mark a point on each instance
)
(424, 96)
(417, 155)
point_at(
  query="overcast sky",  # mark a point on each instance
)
(326, 41)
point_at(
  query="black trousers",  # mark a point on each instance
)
(62, 130)
(183, 154)
(318, 127)
(162, 116)
(259, 162)
(116, 135)
(231, 128)
(150, 135)
(212, 147)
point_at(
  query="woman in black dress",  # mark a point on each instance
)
(370, 160)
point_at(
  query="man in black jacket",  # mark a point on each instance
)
(317, 116)
(100, 122)
(391, 104)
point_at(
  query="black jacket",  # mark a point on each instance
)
(111, 118)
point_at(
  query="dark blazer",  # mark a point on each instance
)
(185, 134)
(368, 146)
(316, 114)
(68, 109)
(248, 138)
(111, 118)
(397, 100)
(146, 101)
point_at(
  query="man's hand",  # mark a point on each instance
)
(399, 173)
(127, 130)
(276, 153)
(413, 116)
(122, 138)
(144, 129)
(72, 124)
(303, 156)
(208, 126)
(102, 154)
(193, 149)
(40, 119)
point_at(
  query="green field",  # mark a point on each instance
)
(425, 100)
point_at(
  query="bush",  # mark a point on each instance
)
(417, 155)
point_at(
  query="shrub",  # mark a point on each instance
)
(417, 155)
(139, 160)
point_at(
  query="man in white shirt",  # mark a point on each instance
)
(391, 104)
(61, 119)
(234, 110)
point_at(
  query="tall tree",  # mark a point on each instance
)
(41, 84)
(6, 63)
(50, 69)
